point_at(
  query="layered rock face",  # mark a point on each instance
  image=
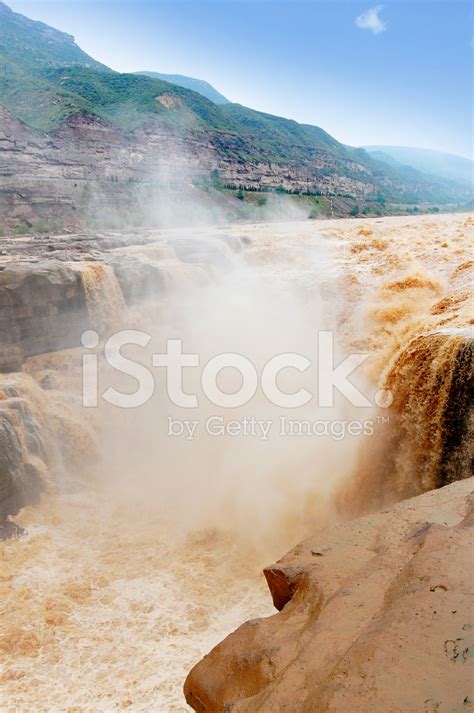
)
(87, 165)
(42, 309)
(51, 291)
(374, 616)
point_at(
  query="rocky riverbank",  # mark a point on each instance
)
(133, 543)
(374, 615)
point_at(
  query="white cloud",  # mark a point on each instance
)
(371, 20)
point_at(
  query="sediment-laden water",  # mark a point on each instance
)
(146, 549)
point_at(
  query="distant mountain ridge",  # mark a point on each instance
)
(435, 163)
(196, 85)
(53, 87)
(34, 44)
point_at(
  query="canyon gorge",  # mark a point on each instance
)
(236, 358)
(128, 553)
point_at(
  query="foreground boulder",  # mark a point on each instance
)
(375, 616)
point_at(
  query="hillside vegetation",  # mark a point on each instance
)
(46, 78)
(196, 85)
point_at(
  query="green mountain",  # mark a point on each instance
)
(196, 85)
(434, 163)
(45, 78)
(29, 45)
(281, 139)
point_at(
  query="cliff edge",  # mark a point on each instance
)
(375, 615)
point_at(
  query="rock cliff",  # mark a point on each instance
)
(88, 167)
(95, 141)
(52, 289)
(374, 615)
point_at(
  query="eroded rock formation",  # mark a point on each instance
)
(88, 166)
(374, 616)
(42, 309)
(51, 290)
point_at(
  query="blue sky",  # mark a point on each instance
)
(397, 73)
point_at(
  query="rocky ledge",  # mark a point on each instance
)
(374, 616)
(53, 288)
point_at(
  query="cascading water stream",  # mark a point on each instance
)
(104, 296)
(144, 553)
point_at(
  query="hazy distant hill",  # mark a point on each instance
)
(435, 163)
(196, 85)
(45, 79)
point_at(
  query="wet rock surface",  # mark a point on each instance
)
(375, 615)
(44, 304)
(19, 481)
(52, 289)
(42, 309)
(21, 451)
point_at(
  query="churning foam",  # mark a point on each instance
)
(153, 554)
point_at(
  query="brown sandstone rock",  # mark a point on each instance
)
(376, 617)
(42, 309)
(87, 166)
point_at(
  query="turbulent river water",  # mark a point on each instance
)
(146, 548)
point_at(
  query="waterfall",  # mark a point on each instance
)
(45, 440)
(428, 442)
(105, 302)
(431, 381)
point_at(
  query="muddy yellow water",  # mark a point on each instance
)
(144, 554)
(102, 609)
